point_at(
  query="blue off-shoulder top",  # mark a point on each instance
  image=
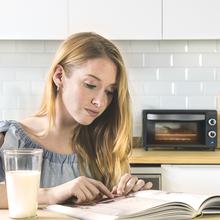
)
(56, 168)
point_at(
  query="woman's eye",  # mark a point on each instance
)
(90, 86)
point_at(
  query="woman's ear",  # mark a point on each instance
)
(58, 76)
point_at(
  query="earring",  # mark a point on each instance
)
(58, 88)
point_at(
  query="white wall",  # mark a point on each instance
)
(162, 75)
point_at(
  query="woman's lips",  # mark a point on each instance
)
(92, 113)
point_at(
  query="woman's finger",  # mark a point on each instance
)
(81, 197)
(130, 184)
(87, 192)
(148, 185)
(139, 185)
(101, 187)
(122, 183)
(114, 190)
(93, 189)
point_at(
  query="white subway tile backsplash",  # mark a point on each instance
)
(172, 74)
(202, 46)
(211, 88)
(187, 88)
(137, 116)
(123, 45)
(133, 59)
(186, 60)
(18, 88)
(7, 73)
(29, 46)
(40, 60)
(142, 74)
(149, 102)
(157, 60)
(201, 74)
(13, 59)
(202, 102)
(211, 59)
(157, 88)
(172, 46)
(136, 88)
(173, 102)
(37, 88)
(180, 74)
(29, 102)
(217, 73)
(16, 114)
(29, 74)
(1, 88)
(51, 46)
(144, 46)
(9, 102)
(137, 130)
(218, 45)
(7, 46)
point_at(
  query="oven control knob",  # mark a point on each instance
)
(211, 134)
(212, 121)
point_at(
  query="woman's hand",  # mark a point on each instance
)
(81, 190)
(129, 183)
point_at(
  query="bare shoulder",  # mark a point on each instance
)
(2, 136)
(34, 124)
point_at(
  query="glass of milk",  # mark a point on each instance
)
(22, 171)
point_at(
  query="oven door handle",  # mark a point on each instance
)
(176, 117)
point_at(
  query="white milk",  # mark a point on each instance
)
(22, 191)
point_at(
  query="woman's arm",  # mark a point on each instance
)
(3, 199)
(81, 189)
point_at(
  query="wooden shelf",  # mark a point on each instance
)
(141, 156)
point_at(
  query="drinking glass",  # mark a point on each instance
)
(22, 171)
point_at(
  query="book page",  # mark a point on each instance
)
(125, 206)
(194, 200)
(153, 204)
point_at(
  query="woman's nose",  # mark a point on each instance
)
(98, 101)
(95, 103)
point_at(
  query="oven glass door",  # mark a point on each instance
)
(176, 129)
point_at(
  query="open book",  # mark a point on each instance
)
(147, 204)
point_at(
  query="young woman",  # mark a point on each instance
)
(83, 125)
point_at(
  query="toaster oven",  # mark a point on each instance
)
(188, 129)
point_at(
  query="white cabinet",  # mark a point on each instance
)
(191, 178)
(33, 19)
(148, 174)
(191, 19)
(117, 19)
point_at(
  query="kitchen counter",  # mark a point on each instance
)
(46, 215)
(41, 215)
(141, 156)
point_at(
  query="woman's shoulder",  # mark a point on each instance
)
(18, 133)
(33, 124)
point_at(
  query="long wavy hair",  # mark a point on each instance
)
(103, 146)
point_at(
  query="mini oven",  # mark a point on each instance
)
(188, 129)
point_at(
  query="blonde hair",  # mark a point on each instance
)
(105, 144)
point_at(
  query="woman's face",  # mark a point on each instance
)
(88, 90)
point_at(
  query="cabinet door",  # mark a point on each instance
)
(148, 174)
(191, 19)
(33, 19)
(191, 178)
(117, 19)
